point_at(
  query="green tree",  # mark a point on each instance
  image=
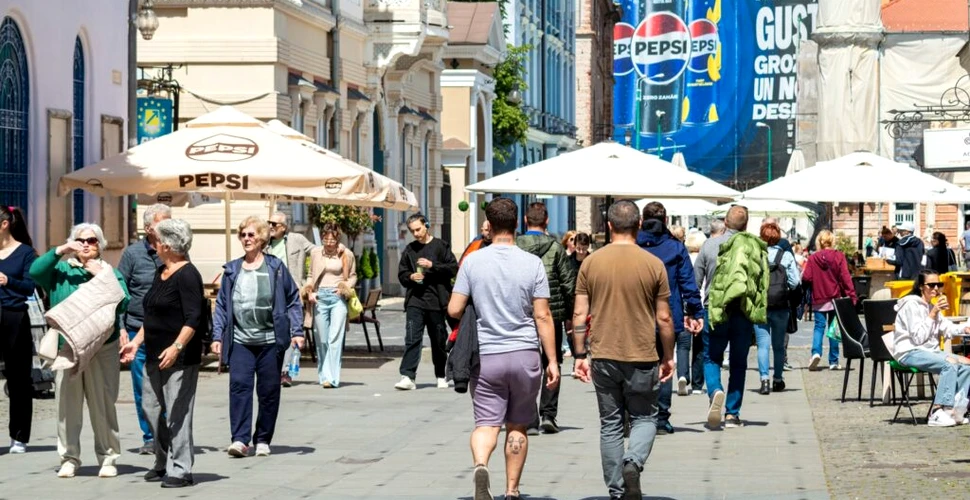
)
(351, 220)
(509, 121)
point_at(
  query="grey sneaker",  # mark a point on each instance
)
(481, 483)
(631, 482)
(147, 449)
(714, 412)
(549, 425)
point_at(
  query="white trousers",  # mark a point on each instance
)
(98, 385)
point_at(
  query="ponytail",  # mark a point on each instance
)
(18, 224)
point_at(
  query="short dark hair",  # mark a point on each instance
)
(737, 218)
(417, 217)
(655, 210)
(536, 215)
(502, 214)
(624, 217)
(582, 239)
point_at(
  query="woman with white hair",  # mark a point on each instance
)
(97, 384)
(171, 333)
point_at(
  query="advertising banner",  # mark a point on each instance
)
(714, 79)
(154, 118)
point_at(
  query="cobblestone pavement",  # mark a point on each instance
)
(867, 457)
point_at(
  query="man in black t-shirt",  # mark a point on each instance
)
(426, 269)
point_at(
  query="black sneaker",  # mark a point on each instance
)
(732, 422)
(765, 389)
(664, 428)
(286, 380)
(631, 482)
(154, 476)
(177, 482)
(777, 385)
(549, 425)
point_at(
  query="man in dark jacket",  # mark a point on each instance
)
(909, 253)
(562, 288)
(426, 269)
(685, 305)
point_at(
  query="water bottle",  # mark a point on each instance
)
(294, 369)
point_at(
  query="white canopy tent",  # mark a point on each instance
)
(681, 207)
(767, 208)
(860, 178)
(606, 169)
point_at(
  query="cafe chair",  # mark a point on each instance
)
(880, 315)
(370, 306)
(855, 343)
(905, 375)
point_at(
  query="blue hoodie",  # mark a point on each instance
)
(680, 273)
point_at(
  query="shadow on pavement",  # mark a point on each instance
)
(123, 470)
(31, 449)
(644, 498)
(207, 478)
(298, 450)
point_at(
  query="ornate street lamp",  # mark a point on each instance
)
(147, 22)
(514, 97)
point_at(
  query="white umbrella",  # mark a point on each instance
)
(606, 169)
(860, 178)
(679, 160)
(768, 208)
(681, 206)
(796, 163)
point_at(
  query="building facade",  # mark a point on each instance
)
(361, 78)
(548, 28)
(63, 105)
(475, 46)
(594, 91)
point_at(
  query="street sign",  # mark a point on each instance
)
(946, 150)
(154, 118)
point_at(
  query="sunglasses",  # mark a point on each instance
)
(274, 224)
(934, 285)
(90, 241)
(243, 236)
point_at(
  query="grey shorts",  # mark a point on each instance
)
(504, 388)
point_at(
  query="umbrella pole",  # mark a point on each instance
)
(862, 207)
(228, 228)
(272, 206)
(606, 223)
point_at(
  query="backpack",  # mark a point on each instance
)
(778, 283)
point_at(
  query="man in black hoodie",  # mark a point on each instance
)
(909, 253)
(562, 289)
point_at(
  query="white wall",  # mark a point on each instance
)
(49, 28)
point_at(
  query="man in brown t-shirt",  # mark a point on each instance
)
(626, 291)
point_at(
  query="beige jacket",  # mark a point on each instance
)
(316, 273)
(85, 320)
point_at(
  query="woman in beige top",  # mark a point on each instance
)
(333, 275)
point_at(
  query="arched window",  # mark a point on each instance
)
(14, 116)
(78, 125)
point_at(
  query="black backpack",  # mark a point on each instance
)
(777, 283)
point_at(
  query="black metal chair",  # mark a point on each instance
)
(370, 305)
(854, 341)
(878, 315)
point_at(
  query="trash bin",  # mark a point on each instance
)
(953, 288)
(899, 288)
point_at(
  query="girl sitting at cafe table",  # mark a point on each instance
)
(916, 340)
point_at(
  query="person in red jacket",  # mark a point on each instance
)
(828, 272)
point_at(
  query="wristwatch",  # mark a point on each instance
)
(580, 355)
(178, 346)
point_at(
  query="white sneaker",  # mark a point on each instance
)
(262, 450)
(813, 364)
(714, 412)
(67, 470)
(682, 386)
(238, 449)
(835, 367)
(697, 392)
(16, 447)
(941, 418)
(442, 383)
(406, 384)
(108, 471)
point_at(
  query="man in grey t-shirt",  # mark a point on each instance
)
(511, 295)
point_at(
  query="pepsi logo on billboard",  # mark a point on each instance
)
(622, 35)
(661, 48)
(704, 40)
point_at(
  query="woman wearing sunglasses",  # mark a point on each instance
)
(98, 383)
(258, 314)
(919, 326)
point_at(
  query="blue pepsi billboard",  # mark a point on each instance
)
(712, 79)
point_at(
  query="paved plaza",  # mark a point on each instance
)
(366, 440)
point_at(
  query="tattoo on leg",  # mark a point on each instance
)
(515, 444)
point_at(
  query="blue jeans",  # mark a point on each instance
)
(631, 388)
(736, 332)
(329, 329)
(954, 377)
(683, 341)
(772, 334)
(137, 369)
(822, 319)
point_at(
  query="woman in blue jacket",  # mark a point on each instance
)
(258, 314)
